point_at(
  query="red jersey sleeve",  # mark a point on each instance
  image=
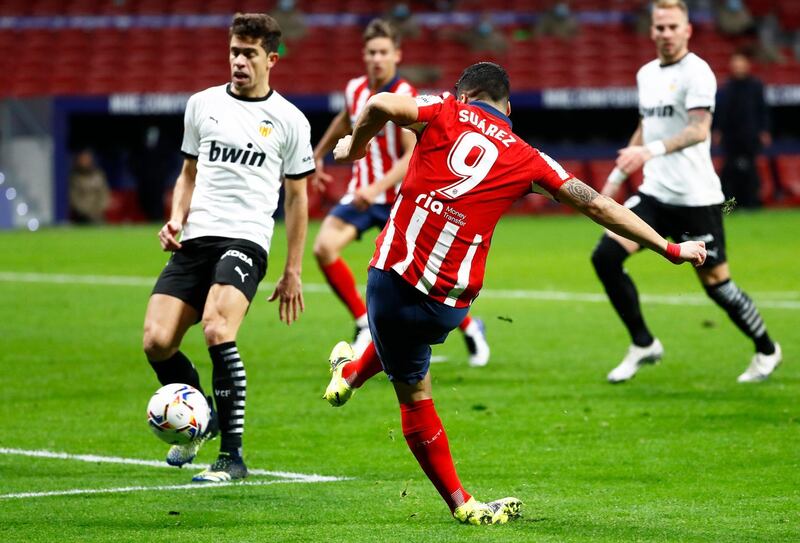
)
(429, 107)
(548, 174)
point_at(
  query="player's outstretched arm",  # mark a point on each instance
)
(623, 221)
(698, 129)
(339, 127)
(379, 110)
(289, 288)
(181, 200)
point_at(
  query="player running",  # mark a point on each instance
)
(237, 140)
(467, 169)
(680, 197)
(372, 188)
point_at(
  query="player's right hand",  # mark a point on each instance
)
(320, 179)
(167, 236)
(694, 252)
(364, 198)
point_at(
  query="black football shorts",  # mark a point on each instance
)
(202, 262)
(682, 223)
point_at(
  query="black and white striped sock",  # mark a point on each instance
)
(743, 312)
(230, 384)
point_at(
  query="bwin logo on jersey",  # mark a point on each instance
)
(237, 156)
(265, 128)
(658, 111)
(237, 254)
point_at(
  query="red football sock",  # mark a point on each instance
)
(427, 440)
(360, 370)
(465, 322)
(341, 279)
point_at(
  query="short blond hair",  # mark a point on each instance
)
(667, 4)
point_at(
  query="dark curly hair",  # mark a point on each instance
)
(257, 26)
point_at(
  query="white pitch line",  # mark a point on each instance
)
(763, 298)
(188, 486)
(93, 458)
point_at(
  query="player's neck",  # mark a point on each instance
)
(261, 90)
(667, 61)
(376, 84)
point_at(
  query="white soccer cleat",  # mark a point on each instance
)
(496, 512)
(477, 345)
(361, 340)
(179, 455)
(635, 358)
(761, 366)
(338, 391)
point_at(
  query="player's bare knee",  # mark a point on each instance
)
(215, 329)
(157, 342)
(323, 252)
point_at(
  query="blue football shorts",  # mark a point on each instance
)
(404, 323)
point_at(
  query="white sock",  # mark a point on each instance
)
(472, 328)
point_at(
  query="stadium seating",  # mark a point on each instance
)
(604, 54)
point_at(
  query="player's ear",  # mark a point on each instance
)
(508, 108)
(272, 59)
(463, 98)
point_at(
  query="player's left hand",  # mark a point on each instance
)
(289, 290)
(343, 152)
(632, 158)
(694, 252)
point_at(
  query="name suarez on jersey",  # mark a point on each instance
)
(488, 129)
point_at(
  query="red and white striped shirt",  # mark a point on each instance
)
(385, 148)
(467, 169)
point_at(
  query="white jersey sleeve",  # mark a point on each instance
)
(702, 89)
(298, 156)
(191, 135)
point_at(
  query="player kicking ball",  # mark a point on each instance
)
(467, 169)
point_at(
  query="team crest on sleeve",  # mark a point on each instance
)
(427, 100)
(265, 128)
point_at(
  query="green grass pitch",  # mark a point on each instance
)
(681, 453)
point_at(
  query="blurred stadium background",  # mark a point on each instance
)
(113, 76)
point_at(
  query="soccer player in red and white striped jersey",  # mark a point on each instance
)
(373, 185)
(467, 169)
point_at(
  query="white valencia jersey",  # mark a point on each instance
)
(244, 148)
(666, 94)
(384, 149)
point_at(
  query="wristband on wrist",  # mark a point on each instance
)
(673, 253)
(657, 148)
(616, 177)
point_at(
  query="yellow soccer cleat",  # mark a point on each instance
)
(338, 391)
(496, 512)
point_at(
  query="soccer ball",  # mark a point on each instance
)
(178, 414)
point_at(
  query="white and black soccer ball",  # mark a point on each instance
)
(178, 414)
